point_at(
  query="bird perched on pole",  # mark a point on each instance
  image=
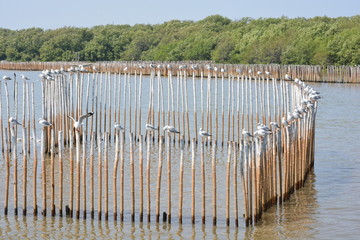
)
(13, 121)
(44, 122)
(170, 129)
(78, 123)
(204, 133)
(151, 127)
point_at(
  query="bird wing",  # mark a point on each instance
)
(82, 117)
(71, 118)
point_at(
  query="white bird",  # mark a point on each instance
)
(194, 67)
(169, 66)
(204, 133)
(287, 77)
(152, 65)
(170, 129)
(261, 133)
(44, 122)
(78, 123)
(182, 67)
(23, 77)
(141, 66)
(250, 71)
(267, 73)
(159, 66)
(151, 127)
(118, 126)
(222, 70)
(284, 122)
(13, 120)
(274, 124)
(259, 72)
(125, 69)
(246, 133)
(6, 78)
(238, 70)
(208, 67)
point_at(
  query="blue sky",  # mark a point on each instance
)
(49, 14)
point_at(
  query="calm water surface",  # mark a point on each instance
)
(326, 208)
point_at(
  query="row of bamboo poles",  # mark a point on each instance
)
(316, 73)
(279, 161)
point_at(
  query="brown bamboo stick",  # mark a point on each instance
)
(43, 171)
(141, 179)
(158, 182)
(193, 176)
(116, 163)
(61, 172)
(148, 168)
(52, 173)
(181, 180)
(77, 201)
(7, 164)
(106, 175)
(227, 195)
(92, 146)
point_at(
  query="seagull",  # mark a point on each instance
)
(259, 72)
(194, 67)
(204, 133)
(287, 77)
(118, 126)
(274, 124)
(6, 78)
(267, 73)
(238, 70)
(283, 121)
(125, 69)
(13, 120)
(23, 77)
(151, 127)
(78, 123)
(250, 71)
(169, 66)
(44, 122)
(170, 129)
(152, 65)
(261, 133)
(246, 133)
(141, 66)
(222, 70)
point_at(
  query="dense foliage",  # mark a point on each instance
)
(318, 40)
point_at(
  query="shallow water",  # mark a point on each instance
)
(326, 208)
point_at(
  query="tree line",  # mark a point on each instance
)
(305, 41)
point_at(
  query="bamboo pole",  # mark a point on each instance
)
(214, 185)
(106, 175)
(132, 178)
(169, 176)
(77, 201)
(7, 164)
(99, 178)
(193, 176)
(71, 163)
(92, 146)
(158, 182)
(122, 140)
(148, 168)
(181, 179)
(202, 164)
(61, 171)
(34, 172)
(141, 172)
(52, 173)
(43, 170)
(228, 185)
(116, 163)
(84, 173)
